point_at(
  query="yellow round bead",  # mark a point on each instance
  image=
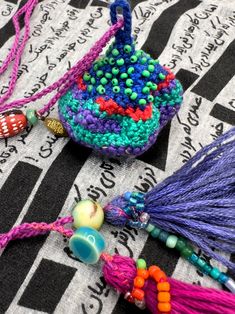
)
(88, 213)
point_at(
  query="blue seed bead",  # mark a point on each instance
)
(163, 236)
(207, 269)
(223, 278)
(193, 258)
(87, 244)
(150, 228)
(133, 201)
(201, 262)
(127, 195)
(139, 206)
(215, 273)
(155, 233)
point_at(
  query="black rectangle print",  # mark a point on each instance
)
(19, 256)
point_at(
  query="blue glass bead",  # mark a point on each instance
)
(133, 201)
(193, 258)
(155, 233)
(206, 269)
(87, 244)
(139, 206)
(215, 273)
(223, 278)
(201, 262)
(163, 236)
(127, 210)
(127, 195)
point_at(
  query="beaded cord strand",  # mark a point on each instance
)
(64, 83)
(141, 286)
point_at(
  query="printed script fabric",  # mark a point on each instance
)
(42, 176)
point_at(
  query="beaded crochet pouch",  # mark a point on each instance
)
(120, 105)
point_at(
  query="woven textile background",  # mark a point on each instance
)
(41, 176)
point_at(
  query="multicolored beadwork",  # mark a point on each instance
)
(11, 123)
(121, 104)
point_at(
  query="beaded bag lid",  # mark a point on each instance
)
(126, 98)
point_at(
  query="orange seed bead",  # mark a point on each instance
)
(153, 269)
(163, 297)
(164, 307)
(138, 282)
(163, 286)
(138, 294)
(143, 273)
(158, 275)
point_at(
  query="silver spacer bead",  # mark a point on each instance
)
(230, 284)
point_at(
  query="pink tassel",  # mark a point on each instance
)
(119, 272)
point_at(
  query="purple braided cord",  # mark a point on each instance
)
(64, 83)
(18, 47)
(28, 230)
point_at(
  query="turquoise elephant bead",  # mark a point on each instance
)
(88, 213)
(87, 244)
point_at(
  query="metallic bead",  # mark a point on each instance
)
(144, 217)
(230, 284)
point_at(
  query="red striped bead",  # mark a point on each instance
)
(11, 123)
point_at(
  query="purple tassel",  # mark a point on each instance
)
(196, 202)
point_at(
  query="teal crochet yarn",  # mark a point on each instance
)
(126, 98)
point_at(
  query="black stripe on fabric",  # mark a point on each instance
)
(16, 191)
(99, 3)
(156, 155)
(19, 255)
(218, 76)
(223, 114)
(79, 4)
(47, 286)
(12, 1)
(186, 78)
(162, 27)
(155, 253)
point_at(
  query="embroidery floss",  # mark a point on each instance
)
(117, 104)
(140, 286)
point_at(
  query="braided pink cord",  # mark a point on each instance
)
(28, 230)
(64, 83)
(18, 47)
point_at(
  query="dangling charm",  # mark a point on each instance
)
(55, 127)
(12, 123)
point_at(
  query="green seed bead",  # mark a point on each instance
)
(163, 236)
(89, 88)
(111, 61)
(153, 62)
(162, 76)
(142, 102)
(141, 264)
(131, 70)
(115, 52)
(181, 243)
(129, 82)
(150, 98)
(201, 263)
(32, 117)
(103, 81)
(108, 75)
(133, 59)
(86, 77)
(124, 75)
(149, 228)
(96, 66)
(215, 273)
(106, 60)
(146, 73)
(100, 89)
(114, 81)
(116, 89)
(138, 53)
(128, 91)
(115, 71)
(99, 73)
(187, 251)
(171, 241)
(157, 61)
(151, 68)
(207, 269)
(133, 96)
(155, 233)
(154, 86)
(143, 60)
(149, 84)
(100, 62)
(127, 48)
(120, 62)
(93, 81)
(146, 90)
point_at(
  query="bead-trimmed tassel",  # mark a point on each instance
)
(196, 202)
(120, 272)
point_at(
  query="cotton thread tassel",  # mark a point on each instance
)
(196, 202)
(119, 272)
